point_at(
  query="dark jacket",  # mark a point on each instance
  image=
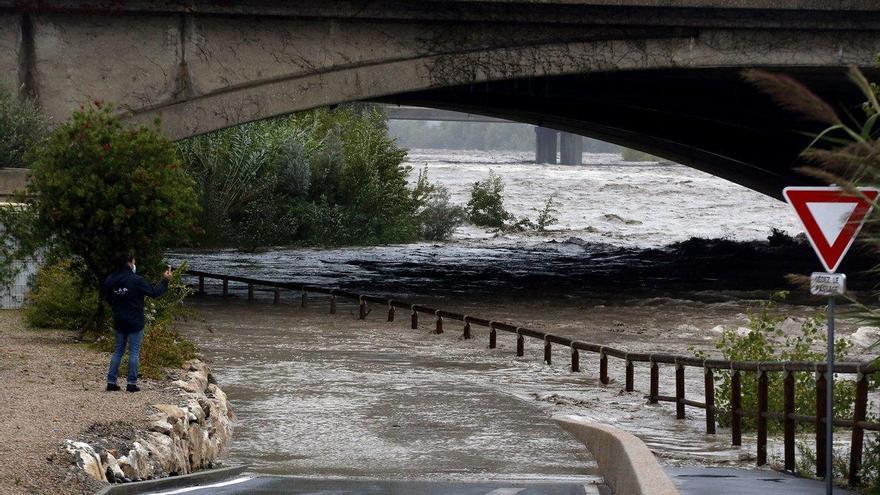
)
(125, 292)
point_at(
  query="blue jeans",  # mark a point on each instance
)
(133, 339)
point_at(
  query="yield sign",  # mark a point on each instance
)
(832, 218)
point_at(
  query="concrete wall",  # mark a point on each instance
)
(626, 463)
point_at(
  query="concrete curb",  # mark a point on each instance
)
(626, 463)
(172, 482)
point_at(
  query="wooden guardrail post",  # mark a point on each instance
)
(493, 336)
(736, 408)
(466, 332)
(438, 328)
(820, 427)
(250, 292)
(520, 345)
(225, 287)
(655, 383)
(679, 391)
(630, 375)
(788, 421)
(548, 352)
(575, 360)
(362, 309)
(414, 319)
(858, 433)
(201, 284)
(390, 312)
(603, 367)
(709, 387)
(762, 417)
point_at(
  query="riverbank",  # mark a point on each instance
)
(52, 390)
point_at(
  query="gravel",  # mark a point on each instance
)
(52, 389)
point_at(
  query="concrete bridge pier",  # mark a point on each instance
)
(545, 145)
(571, 148)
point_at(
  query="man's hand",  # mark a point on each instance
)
(167, 274)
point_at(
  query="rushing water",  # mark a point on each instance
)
(320, 395)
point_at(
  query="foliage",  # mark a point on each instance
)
(230, 168)
(58, 300)
(845, 154)
(765, 341)
(547, 214)
(438, 218)
(326, 177)
(162, 346)
(21, 125)
(486, 206)
(631, 155)
(99, 188)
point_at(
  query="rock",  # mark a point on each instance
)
(113, 471)
(163, 427)
(86, 459)
(179, 439)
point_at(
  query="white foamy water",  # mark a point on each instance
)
(608, 200)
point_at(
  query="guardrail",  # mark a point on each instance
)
(862, 370)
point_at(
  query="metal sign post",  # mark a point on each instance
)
(832, 218)
(829, 284)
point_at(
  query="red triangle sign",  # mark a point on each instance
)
(831, 217)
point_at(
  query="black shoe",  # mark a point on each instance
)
(112, 387)
(132, 388)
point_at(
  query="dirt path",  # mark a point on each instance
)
(52, 390)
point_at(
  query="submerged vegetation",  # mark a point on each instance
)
(323, 177)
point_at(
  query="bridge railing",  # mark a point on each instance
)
(862, 371)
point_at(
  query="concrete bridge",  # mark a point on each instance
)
(641, 73)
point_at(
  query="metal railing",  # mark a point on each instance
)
(862, 370)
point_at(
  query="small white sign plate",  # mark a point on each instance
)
(827, 284)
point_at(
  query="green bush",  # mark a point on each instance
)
(58, 299)
(765, 341)
(98, 188)
(486, 206)
(438, 218)
(323, 177)
(21, 125)
(547, 214)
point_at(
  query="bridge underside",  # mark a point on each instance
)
(709, 119)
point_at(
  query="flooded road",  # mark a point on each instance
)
(321, 395)
(334, 396)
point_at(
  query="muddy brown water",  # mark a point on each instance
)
(330, 395)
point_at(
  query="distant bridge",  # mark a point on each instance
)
(546, 140)
(654, 75)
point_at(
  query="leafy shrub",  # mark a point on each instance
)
(21, 125)
(486, 206)
(547, 214)
(58, 299)
(438, 218)
(323, 177)
(98, 188)
(765, 341)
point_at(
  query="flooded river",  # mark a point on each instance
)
(328, 395)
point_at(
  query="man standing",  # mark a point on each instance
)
(125, 291)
